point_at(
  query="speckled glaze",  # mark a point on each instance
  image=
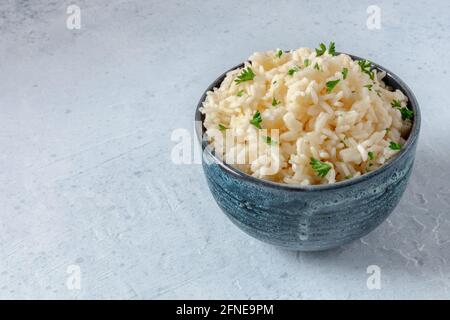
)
(309, 218)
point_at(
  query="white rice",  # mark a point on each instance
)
(339, 127)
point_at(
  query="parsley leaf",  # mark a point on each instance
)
(344, 73)
(279, 53)
(369, 86)
(316, 66)
(332, 49)
(222, 127)
(240, 93)
(321, 50)
(292, 71)
(394, 146)
(405, 112)
(246, 75)
(348, 177)
(306, 62)
(331, 84)
(321, 168)
(370, 155)
(396, 104)
(275, 102)
(270, 142)
(256, 120)
(366, 68)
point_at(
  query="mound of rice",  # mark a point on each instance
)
(305, 117)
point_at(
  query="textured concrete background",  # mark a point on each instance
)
(85, 141)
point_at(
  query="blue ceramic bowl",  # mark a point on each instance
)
(316, 217)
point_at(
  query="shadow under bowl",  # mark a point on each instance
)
(316, 217)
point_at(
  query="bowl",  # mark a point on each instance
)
(315, 217)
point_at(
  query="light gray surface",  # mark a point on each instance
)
(85, 140)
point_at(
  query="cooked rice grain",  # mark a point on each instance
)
(339, 127)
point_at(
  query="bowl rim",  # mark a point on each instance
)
(406, 148)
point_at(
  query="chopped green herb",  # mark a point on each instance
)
(370, 155)
(396, 104)
(306, 62)
(316, 66)
(279, 53)
(332, 49)
(344, 73)
(321, 168)
(378, 92)
(394, 146)
(274, 82)
(366, 68)
(270, 142)
(256, 120)
(240, 93)
(369, 86)
(275, 102)
(331, 84)
(348, 177)
(222, 127)
(321, 50)
(405, 112)
(246, 75)
(292, 71)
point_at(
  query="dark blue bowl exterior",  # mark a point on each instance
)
(305, 220)
(309, 219)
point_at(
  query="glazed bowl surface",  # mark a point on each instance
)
(316, 217)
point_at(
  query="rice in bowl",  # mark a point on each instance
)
(306, 117)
